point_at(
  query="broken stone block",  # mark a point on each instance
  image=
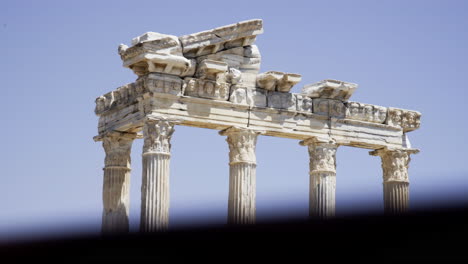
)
(277, 81)
(211, 69)
(156, 52)
(235, 58)
(226, 37)
(330, 89)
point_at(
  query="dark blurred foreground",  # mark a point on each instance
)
(427, 236)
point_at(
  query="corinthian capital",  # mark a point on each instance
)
(322, 154)
(395, 163)
(117, 146)
(242, 142)
(157, 135)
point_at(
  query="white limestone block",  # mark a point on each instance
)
(163, 83)
(304, 103)
(226, 37)
(407, 119)
(156, 52)
(330, 89)
(206, 89)
(249, 66)
(211, 69)
(282, 101)
(277, 81)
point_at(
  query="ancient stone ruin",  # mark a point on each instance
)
(211, 80)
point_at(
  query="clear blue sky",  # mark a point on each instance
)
(58, 56)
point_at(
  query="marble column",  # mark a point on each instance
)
(242, 177)
(116, 183)
(155, 182)
(322, 173)
(395, 178)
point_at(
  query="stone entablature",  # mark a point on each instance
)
(211, 80)
(239, 96)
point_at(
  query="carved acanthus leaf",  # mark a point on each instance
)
(117, 147)
(242, 144)
(157, 136)
(395, 163)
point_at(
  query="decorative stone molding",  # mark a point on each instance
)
(327, 107)
(303, 103)
(330, 89)
(395, 163)
(230, 36)
(366, 112)
(282, 101)
(206, 89)
(211, 80)
(242, 142)
(155, 52)
(408, 120)
(157, 136)
(211, 70)
(277, 81)
(246, 60)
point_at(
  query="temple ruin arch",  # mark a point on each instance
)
(211, 80)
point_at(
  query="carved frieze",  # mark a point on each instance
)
(303, 103)
(328, 107)
(408, 120)
(248, 96)
(129, 93)
(157, 135)
(366, 112)
(206, 89)
(163, 83)
(281, 101)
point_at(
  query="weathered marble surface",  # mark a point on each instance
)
(277, 81)
(242, 174)
(330, 89)
(322, 171)
(395, 163)
(231, 36)
(211, 80)
(155, 52)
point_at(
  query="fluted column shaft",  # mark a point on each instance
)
(395, 178)
(242, 174)
(322, 172)
(155, 182)
(116, 182)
